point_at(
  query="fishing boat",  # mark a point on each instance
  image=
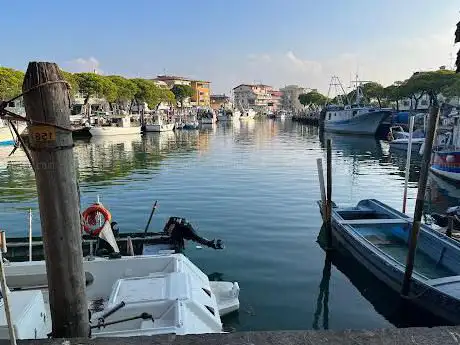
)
(353, 118)
(399, 139)
(130, 296)
(377, 235)
(159, 124)
(116, 125)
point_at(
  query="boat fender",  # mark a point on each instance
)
(390, 136)
(90, 219)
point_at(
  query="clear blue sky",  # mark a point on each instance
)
(228, 42)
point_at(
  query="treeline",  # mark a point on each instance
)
(117, 90)
(433, 83)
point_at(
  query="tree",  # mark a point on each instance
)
(457, 40)
(374, 90)
(312, 98)
(182, 92)
(148, 92)
(393, 93)
(90, 85)
(126, 90)
(10, 83)
(72, 80)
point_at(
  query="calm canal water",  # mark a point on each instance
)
(254, 185)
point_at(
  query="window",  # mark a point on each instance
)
(424, 102)
(329, 116)
(406, 103)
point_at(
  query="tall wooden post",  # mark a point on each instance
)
(48, 102)
(429, 138)
(328, 220)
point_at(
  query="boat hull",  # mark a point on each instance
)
(447, 164)
(109, 131)
(428, 294)
(367, 123)
(401, 144)
(159, 128)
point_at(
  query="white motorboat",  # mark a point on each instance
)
(207, 117)
(247, 114)
(167, 291)
(118, 126)
(399, 139)
(159, 125)
(224, 115)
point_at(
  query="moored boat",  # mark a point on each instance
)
(118, 125)
(377, 236)
(159, 124)
(399, 139)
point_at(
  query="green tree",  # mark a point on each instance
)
(10, 83)
(72, 80)
(374, 90)
(150, 93)
(109, 90)
(182, 92)
(126, 90)
(312, 98)
(90, 85)
(393, 93)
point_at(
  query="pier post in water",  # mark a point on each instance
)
(322, 189)
(47, 104)
(424, 171)
(328, 219)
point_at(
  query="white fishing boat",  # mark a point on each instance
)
(354, 118)
(159, 125)
(117, 126)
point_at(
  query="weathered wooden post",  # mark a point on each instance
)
(429, 138)
(47, 105)
(328, 221)
(322, 189)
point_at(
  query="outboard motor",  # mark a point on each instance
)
(179, 230)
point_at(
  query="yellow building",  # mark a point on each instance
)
(201, 93)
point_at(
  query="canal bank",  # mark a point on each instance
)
(413, 336)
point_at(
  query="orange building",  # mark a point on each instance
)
(201, 93)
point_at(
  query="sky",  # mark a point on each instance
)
(229, 42)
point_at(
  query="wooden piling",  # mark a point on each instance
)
(47, 101)
(328, 220)
(319, 165)
(428, 146)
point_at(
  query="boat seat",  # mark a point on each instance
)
(374, 221)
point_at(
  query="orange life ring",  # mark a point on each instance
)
(90, 218)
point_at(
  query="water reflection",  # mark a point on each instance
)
(322, 303)
(441, 194)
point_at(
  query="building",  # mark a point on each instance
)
(201, 93)
(219, 101)
(201, 89)
(290, 98)
(275, 103)
(255, 96)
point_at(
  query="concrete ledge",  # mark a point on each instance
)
(417, 336)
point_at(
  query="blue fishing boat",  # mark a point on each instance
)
(377, 236)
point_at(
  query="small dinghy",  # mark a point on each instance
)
(377, 236)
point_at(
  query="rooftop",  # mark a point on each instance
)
(254, 85)
(174, 77)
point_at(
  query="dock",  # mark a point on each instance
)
(394, 336)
